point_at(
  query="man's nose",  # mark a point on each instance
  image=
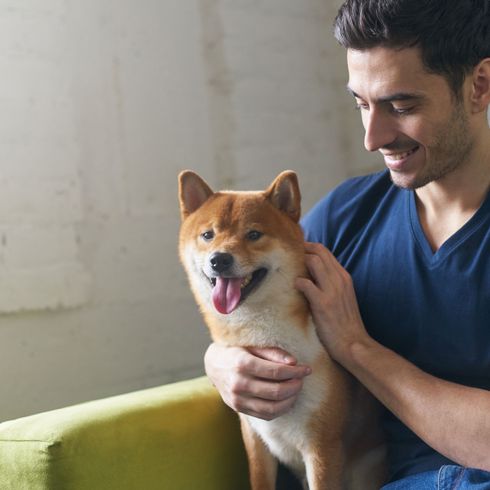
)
(380, 130)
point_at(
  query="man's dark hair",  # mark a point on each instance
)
(453, 35)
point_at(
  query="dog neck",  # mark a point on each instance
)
(261, 324)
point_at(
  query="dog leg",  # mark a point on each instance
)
(262, 464)
(324, 470)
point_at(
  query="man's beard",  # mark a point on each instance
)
(451, 148)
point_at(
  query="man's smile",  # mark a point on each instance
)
(396, 160)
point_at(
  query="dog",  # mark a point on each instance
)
(242, 252)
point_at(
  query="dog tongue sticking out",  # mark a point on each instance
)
(226, 294)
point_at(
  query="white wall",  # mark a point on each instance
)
(104, 101)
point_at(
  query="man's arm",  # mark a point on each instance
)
(452, 419)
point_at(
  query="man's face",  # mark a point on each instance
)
(410, 116)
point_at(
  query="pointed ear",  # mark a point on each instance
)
(193, 192)
(284, 194)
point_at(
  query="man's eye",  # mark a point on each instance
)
(254, 235)
(208, 235)
(402, 111)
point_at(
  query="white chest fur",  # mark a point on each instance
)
(287, 436)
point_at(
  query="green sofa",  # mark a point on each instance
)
(175, 437)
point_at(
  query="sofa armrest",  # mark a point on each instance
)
(174, 437)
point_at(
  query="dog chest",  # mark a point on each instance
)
(288, 436)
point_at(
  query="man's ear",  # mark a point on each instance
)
(480, 94)
(193, 192)
(284, 194)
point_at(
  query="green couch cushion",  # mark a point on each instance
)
(174, 437)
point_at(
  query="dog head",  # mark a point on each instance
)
(240, 249)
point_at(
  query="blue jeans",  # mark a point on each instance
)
(447, 478)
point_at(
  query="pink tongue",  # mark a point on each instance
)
(226, 294)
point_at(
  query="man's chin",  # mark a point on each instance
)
(401, 181)
(407, 182)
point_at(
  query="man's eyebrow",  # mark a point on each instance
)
(397, 96)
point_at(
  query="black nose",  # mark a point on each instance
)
(221, 262)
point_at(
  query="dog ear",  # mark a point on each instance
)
(284, 194)
(193, 192)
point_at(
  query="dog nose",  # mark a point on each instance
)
(221, 262)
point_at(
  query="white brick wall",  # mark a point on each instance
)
(279, 76)
(40, 200)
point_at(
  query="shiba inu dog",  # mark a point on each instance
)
(242, 252)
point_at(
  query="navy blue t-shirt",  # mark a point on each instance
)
(431, 308)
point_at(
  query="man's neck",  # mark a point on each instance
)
(445, 205)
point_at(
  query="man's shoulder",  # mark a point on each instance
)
(374, 185)
(354, 193)
(348, 206)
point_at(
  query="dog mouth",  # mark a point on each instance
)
(229, 292)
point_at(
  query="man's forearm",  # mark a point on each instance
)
(452, 419)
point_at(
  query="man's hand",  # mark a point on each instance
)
(263, 382)
(333, 302)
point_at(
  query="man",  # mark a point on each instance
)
(400, 289)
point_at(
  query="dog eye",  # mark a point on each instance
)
(208, 235)
(254, 235)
